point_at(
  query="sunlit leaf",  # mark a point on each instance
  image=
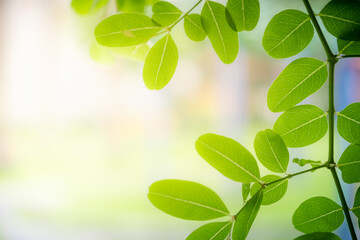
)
(211, 231)
(303, 162)
(297, 81)
(342, 19)
(193, 27)
(160, 63)
(356, 207)
(87, 6)
(348, 47)
(301, 125)
(244, 14)
(229, 157)
(319, 236)
(271, 151)
(223, 39)
(125, 29)
(349, 164)
(318, 214)
(130, 5)
(245, 191)
(186, 200)
(165, 13)
(246, 217)
(287, 34)
(273, 192)
(348, 123)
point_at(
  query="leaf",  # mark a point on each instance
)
(245, 14)
(245, 191)
(287, 34)
(125, 29)
(348, 47)
(83, 7)
(130, 5)
(223, 39)
(302, 125)
(271, 151)
(160, 63)
(186, 200)
(342, 19)
(349, 164)
(303, 162)
(165, 13)
(297, 81)
(319, 236)
(229, 157)
(273, 192)
(211, 231)
(246, 216)
(356, 207)
(193, 27)
(348, 123)
(318, 214)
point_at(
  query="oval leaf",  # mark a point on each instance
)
(186, 200)
(318, 214)
(193, 27)
(245, 189)
(223, 39)
(246, 216)
(125, 29)
(83, 7)
(356, 208)
(287, 34)
(342, 19)
(244, 14)
(348, 123)
(302, 125)
(229, 157)
(160, 64)
(130, 5)
(348, 47)
(271, 151)
(297, 81)
(349, 164)
(212, 231)
(273, 192)
(319, 236)
(165, 13)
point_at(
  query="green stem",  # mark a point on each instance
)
(349, 56)
(185, 14)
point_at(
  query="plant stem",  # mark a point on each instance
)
(185, 14)
(349, 56)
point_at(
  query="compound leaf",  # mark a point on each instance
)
(229, 157)
(245, 191)
(349, 164)
(287, 34)
(271, 151)
(318, 214)
(273, 192)
(356, 208)
(165, 13)
(244, 14)
(348, 47)
(301, 125)
(223, 39)
(160, 64)
(342, 19)
(348, 123)
(186, 200)
(319, 236)
(211, 231)
(297, 81)
(193, 27)
(125, 29)
(83, 7)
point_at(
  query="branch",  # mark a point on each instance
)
(185, 14)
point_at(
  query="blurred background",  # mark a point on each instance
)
(82, 139)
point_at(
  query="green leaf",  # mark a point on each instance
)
(125, 29)
(130, 5)
(356, 208)
(211, 231)
(273, 192)
(303, 162)
(245, 191)
(302, 125)
(223, 39)
(83, 7)
(193, 27)
(244, 14)
(348, 123)
(287, 34)
(186, 200)
(271, 151)
(349, 164)
(297, 81)
(319, 236)
(342, 19)
(165, 13)
(348, 47)
(318, 214)
(160, 63)
(229, 157)
(246, 216)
